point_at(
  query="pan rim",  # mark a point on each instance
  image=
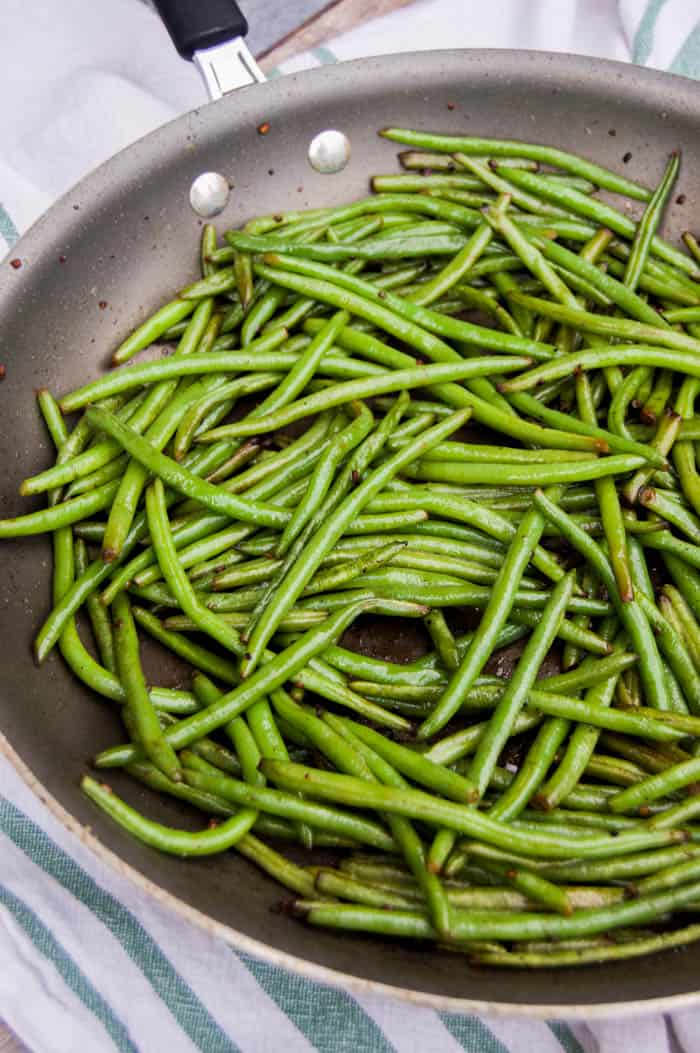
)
(123, 166)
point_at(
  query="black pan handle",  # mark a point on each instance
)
(195, 25)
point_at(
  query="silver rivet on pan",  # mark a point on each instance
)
(329, 151)
(209, 194)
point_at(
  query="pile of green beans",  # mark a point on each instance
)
(467, 399)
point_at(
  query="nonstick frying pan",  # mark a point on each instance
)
(129, 238)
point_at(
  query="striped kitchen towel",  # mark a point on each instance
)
(88, 962)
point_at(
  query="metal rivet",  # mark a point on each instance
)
(329, 151)
(209, 194)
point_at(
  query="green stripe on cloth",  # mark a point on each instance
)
(325, 56)
(566, 1036)
(8, 230)
(72, 976)
(192, 1016)
(472, 1034)
(644, 37)
(331, 1020)
(687, 61)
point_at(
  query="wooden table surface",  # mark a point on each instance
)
(336, 18)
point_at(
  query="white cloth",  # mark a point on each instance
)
(89, 962)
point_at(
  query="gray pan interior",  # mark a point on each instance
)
(130, 240)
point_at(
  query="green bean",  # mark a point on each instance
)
(294, 622)
(555, 955)
(453, 272)
(175, 575)
(162, 428)
(211, 543)
(664, 542)
(149, 775)
(282, 870)
(204, 528)
(663, 440)
(419, 805)
(687, 620)
(60, 515)
(447, 591)
(213, 362)
(322, 476)
(400, 317)
(579, 748)
(344, 572)
(416, 767)
(546, 474)
(613, 522)
(352, 390)
(504, 148)
(182, 480)
(622, 398)
(683, 451)
(652, 758)
(336, 884)
(406, 246)
(648, 224)
(215, 838)
(142, 714)
(466, 511)
(353, 470)
(113, 470)
(464, 452)
(523, 677)
(267, 475)
(660, 395)
(620, 294)
(194, 653)
(267, 678)
(327, 535)
(599, 439)
(490, 178)
(55, 425)
(275, 802)
(537, 888)
(630, 612)
(251, 573)
(242, 455)
(686, 580)
(402, 183)
(424, 671)
(622, 867)
(599, 357)
(500, 925)
(402, 830)
(533, 769)
(150, 331)
(442, 638)
(692, 243)
(672, 511)
(225, 394)
(198, 337)
(655, 786)
(579, 204)
(97, 613)
(492, 621)
(677, 815)
(631, 723)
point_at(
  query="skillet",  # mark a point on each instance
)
(130, 240)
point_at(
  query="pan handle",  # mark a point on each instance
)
(210, 34)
